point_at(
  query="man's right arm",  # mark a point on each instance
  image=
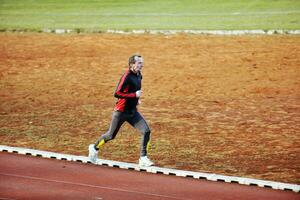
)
(122, 88)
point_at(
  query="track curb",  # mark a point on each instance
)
(156, 32)
(156, 170)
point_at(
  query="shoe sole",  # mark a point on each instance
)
(146, 165)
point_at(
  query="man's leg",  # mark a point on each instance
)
(117, 120)
(116, 123)
(138, 122)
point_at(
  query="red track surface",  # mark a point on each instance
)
(26, 177)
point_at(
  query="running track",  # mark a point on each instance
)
(27, 177)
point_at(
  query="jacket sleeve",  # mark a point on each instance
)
(122, 88)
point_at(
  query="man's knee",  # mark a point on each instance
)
(146, 132)
(109, 137)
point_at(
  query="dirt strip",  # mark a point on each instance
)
(220, 104)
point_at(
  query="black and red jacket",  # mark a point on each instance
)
(129, 83)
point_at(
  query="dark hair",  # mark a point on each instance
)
(133, 59)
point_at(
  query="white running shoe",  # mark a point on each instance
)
(93, 154)
(145, 162)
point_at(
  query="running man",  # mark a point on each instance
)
(128, 93)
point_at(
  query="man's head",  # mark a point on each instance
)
(135, 63)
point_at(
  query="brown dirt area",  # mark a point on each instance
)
(220, 104)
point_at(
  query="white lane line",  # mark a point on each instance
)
(92, 186)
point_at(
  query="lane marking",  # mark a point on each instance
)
(91, 186)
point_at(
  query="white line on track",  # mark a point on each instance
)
(91, 186)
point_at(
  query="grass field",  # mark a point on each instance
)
(156, 14)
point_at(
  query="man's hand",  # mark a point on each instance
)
(139, 102)
(138, 93)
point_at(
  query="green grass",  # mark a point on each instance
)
(146, 14)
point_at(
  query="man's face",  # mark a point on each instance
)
(138, 65)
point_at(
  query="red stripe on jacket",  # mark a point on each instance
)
(124, 94)
(121, 103)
